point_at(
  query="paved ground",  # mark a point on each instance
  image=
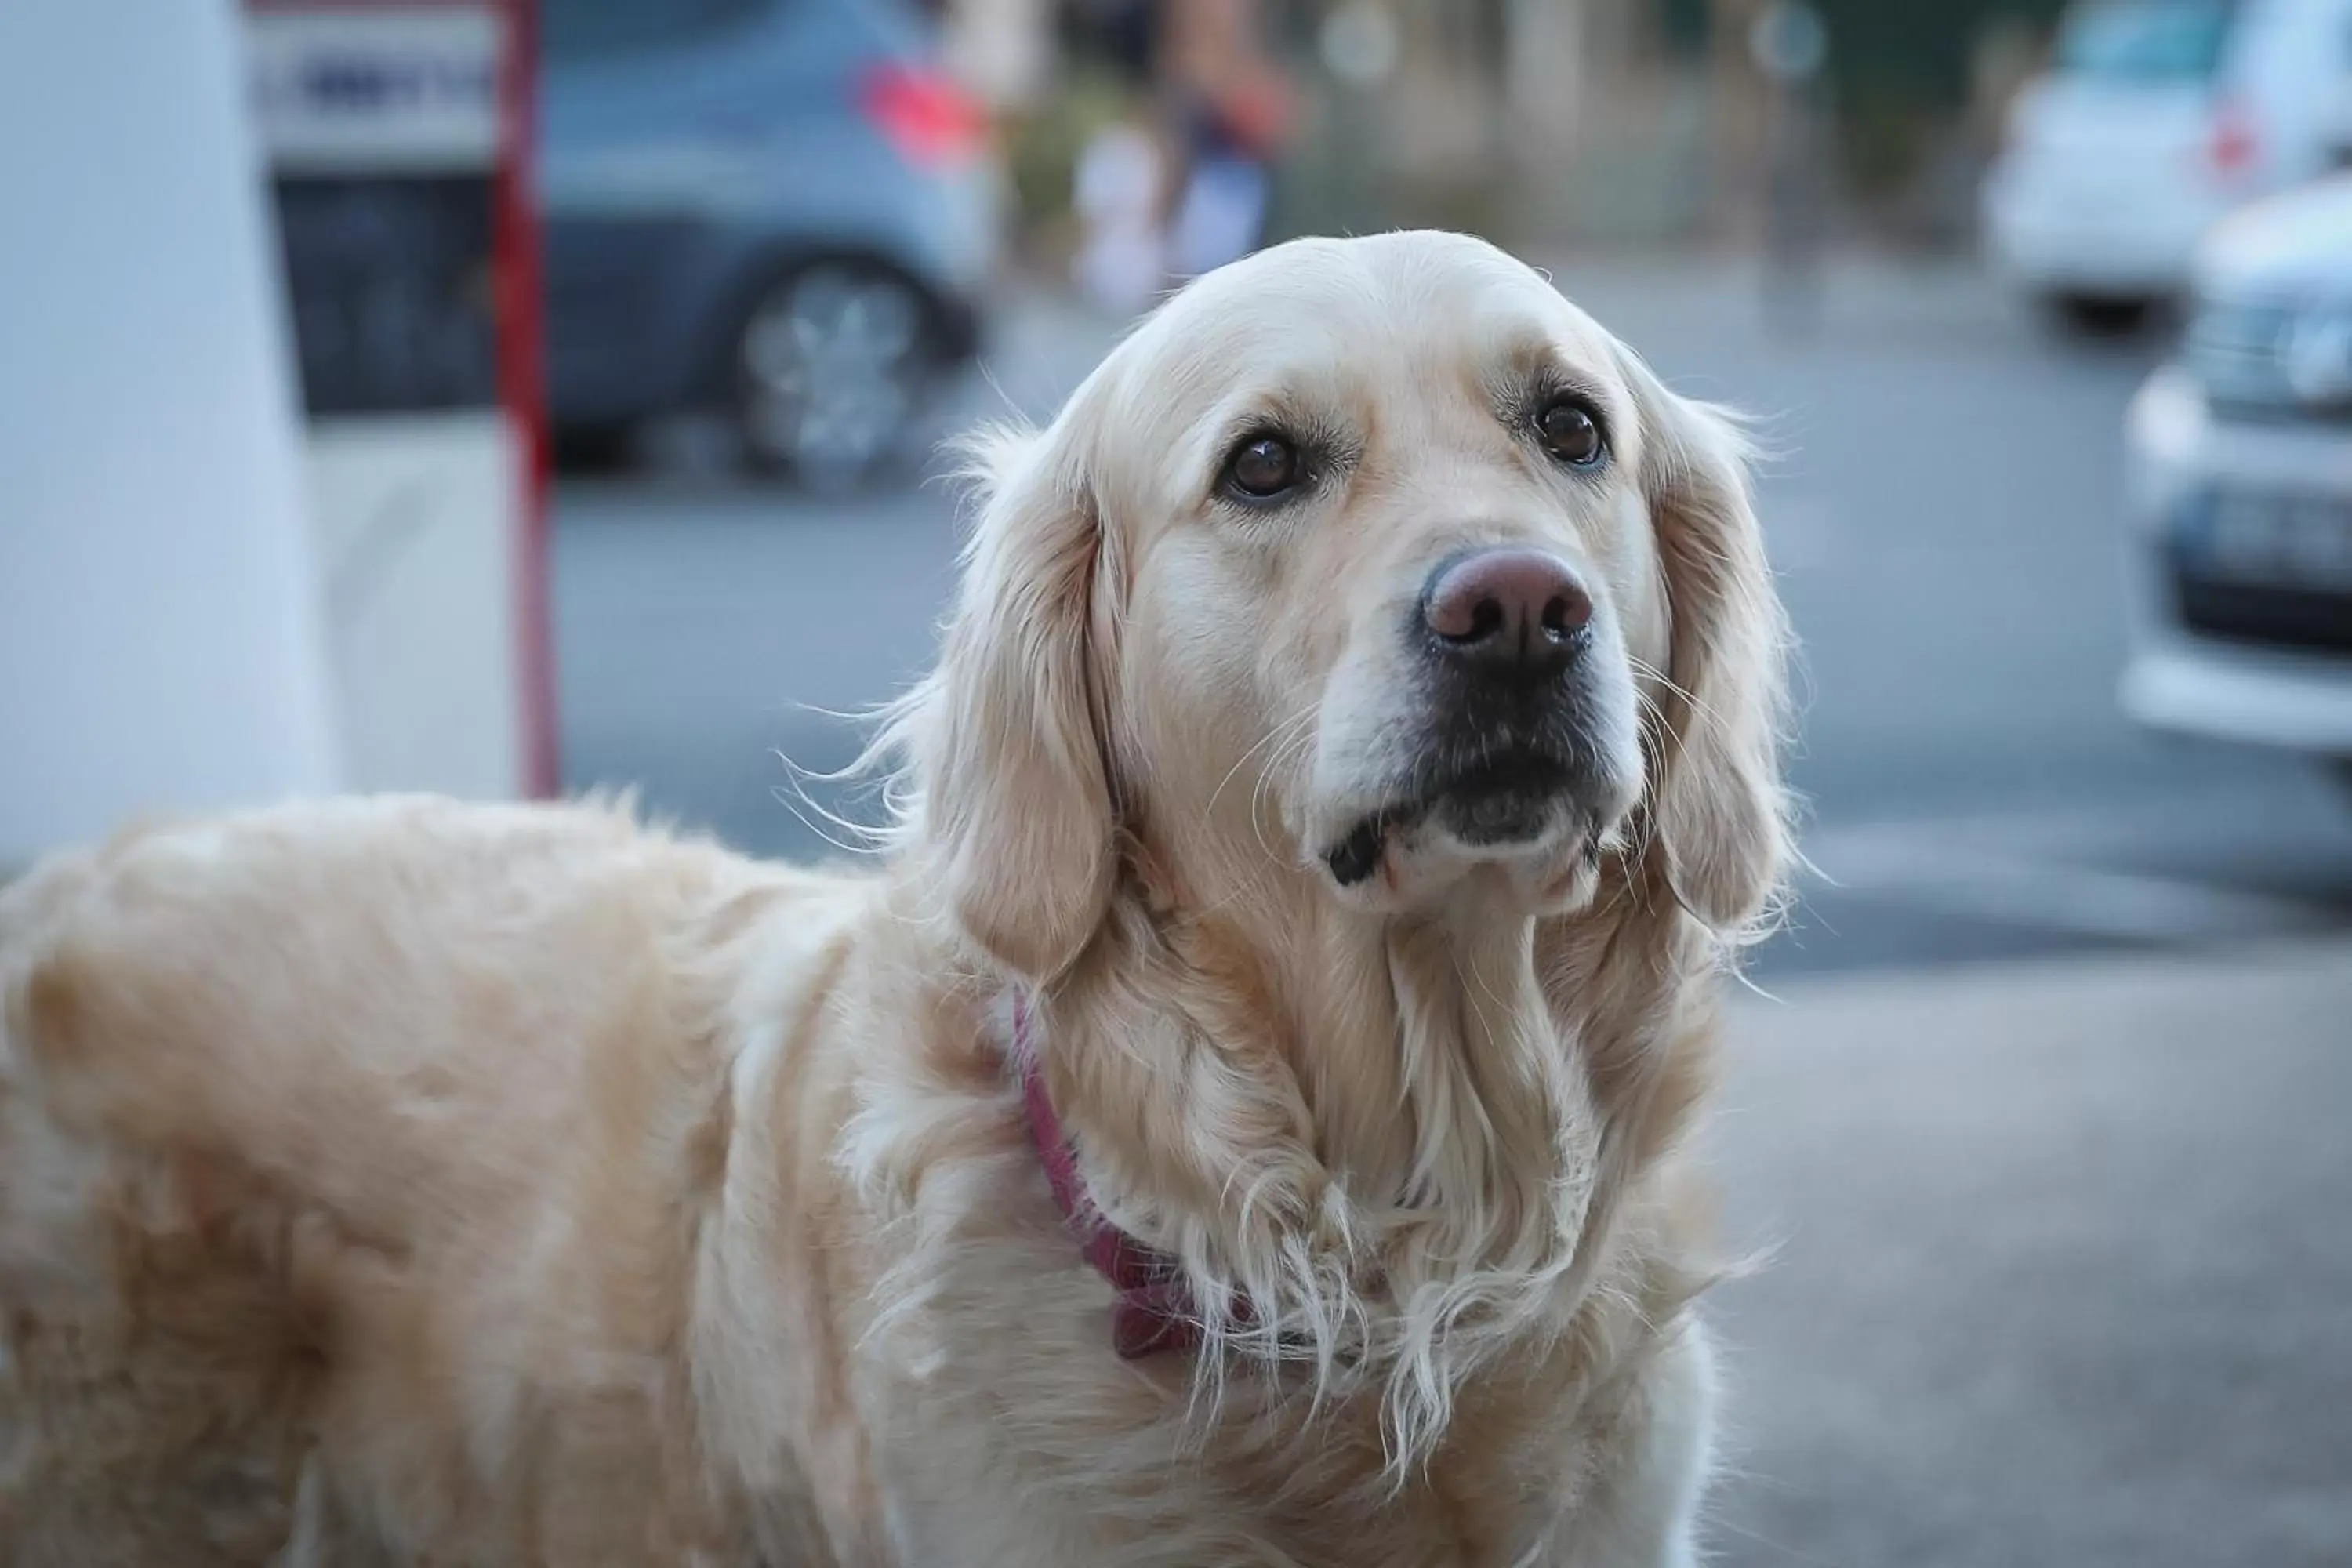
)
(1947, 518)
(2064, 1277)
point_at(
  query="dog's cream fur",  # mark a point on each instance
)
(399, 1181)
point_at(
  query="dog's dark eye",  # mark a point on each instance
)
(1569, 432)
(1263, 467)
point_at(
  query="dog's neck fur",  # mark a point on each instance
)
(1407, 1142)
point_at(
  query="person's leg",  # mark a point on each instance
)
(1120, 262)
(1222, 217)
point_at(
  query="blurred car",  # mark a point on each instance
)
(777, 208)
(2157, 118)
(2241, 471)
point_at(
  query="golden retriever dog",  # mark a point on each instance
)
(1239, 1117)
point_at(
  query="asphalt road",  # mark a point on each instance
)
(2055, 1273)
(1944, 509)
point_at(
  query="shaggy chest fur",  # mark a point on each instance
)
(1372, 1404)
(1045, 1448)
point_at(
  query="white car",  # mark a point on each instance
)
(2157, 118)
(2241, 457)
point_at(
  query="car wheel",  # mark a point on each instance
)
(2102, 315)
(834, 367)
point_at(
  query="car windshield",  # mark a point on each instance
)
(569, 28)
(2148, 41)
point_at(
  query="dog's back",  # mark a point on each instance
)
(338, 1142)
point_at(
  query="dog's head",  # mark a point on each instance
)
(1370, 562)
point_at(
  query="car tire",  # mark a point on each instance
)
(2101, 315)
(837, 365)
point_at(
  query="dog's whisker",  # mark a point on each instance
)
(1305, 716)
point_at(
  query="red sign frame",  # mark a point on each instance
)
(519, 285)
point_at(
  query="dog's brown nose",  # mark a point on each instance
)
(1516, 612)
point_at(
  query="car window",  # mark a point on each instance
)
(2146, 40)
(570, 28)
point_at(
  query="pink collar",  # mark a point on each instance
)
(1154, 1310)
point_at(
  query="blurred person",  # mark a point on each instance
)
(1182, 186)
(1117, 193)
(1127, 33)
(1231, 106)
(1120, 188)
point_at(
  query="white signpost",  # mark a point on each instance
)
(160, 625)
(397, 138)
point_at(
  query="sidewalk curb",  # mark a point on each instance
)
(2081, 991)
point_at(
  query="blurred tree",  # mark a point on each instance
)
(1901, 74)
(1918, 51)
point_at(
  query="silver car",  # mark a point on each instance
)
(2242, 469)
(780, 209)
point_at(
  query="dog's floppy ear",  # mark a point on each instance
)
(1718, 806)
(1016, 814)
